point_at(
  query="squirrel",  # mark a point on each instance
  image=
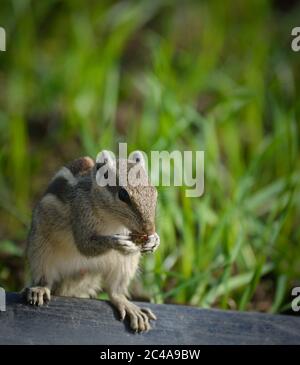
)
(81, 239)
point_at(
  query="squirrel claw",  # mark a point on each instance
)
(151, 244)
(38, 295)
(125, 245)
(139, 318)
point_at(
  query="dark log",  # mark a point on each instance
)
(87, 321)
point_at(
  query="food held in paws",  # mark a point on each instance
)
(139, 239)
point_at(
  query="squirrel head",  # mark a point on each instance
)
(123, 188)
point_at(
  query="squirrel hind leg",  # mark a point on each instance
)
(37, 295)
(80, 285)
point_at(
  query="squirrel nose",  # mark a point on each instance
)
(149, 228)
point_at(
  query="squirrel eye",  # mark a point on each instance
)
(124, 196)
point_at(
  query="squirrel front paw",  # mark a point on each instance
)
(139, 318)
(38, 295)
(125, 245)
(151, 244)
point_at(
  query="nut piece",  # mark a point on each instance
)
(139, 239)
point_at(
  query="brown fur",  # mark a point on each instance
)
(72, 247)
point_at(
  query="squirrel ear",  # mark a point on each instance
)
(104, 158)
(138, 157)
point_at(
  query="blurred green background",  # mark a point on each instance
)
(219, 76)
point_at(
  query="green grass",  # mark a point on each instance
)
(164, 75)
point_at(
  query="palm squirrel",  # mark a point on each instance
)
(81, 238)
